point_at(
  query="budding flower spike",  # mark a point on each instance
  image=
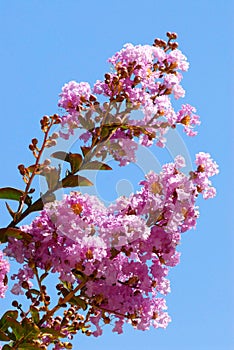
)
(112, 262)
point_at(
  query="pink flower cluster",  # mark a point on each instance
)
(136, 72)
(112, 263)
(72, 98)
(121, 147)
(4, 269)
(144, 77)
(73, 95)
(206, 168)
(124, 250)
(187, 117)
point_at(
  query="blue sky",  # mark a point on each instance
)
(47, 43)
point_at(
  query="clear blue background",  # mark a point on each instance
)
(44, 44)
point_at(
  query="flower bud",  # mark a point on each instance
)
(201, 168)
(34, 141)
(21, 169)
(47, 162)
(25, 285)
(174, 46)
(107, 76)
(92, 98)
(55, 135)
(174, 35)
(45, 119)
(31, 147)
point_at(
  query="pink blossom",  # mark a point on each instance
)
(23, 275)
(71, 95)
(171, 81)
(17, 289)
(210, 167)
(118, 328)
(207, 168)
(123, 150)
(143, 231)
(135, 80)
(179, 58)
(4, 269)
(187, 117)
(179, 162)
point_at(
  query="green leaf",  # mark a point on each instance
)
(75, 180)
(96, 165)
(75, 160)
(79, 274)
(16, 327)
(8, 320)
(67, 285)
(3, 320)
(13, 194)
(29, 346)
(4, 336)
(13, 232)
(35, 314)
(85, 150)
(34, 291)
(105, 132)
(61, 155)
(6, 347)
(79, 302)
(31, 330)
(52, 331)
(43, 276)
